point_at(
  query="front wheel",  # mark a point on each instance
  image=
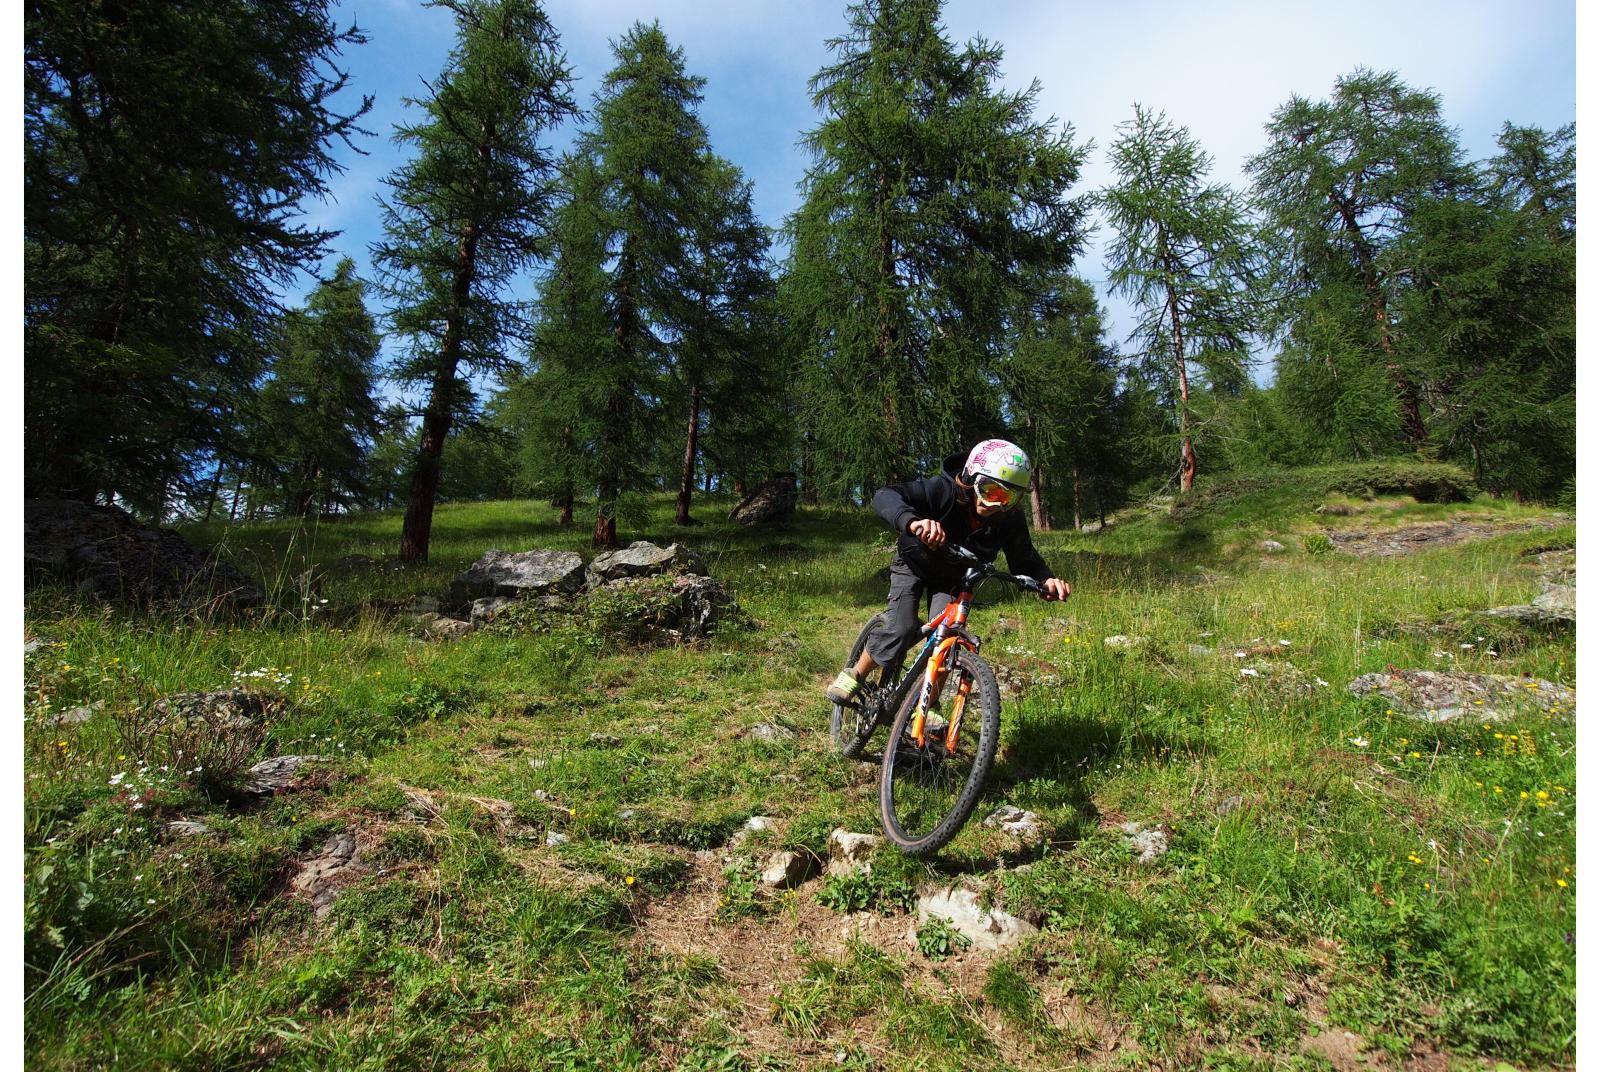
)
(928, 791)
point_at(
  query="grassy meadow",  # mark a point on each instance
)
(1345, 887)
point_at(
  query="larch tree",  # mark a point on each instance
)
(648, 144)
(1488, 320)
(930, 192)
(466, 214)
(555, 404)
(722, 367)
(1336, 185)
(317, 414)
(1182, 252)
(169, 149)
(1058, 379)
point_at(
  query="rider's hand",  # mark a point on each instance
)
(1056, 588)
(927, 530)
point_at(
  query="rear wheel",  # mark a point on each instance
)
(927, 792)
(852, 724)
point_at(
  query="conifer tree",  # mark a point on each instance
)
(648, 144)
(1058, 379)
(168, 148)
(931, 192)
(1337, 183)
(317, 413)
(555, 406)
(467, 213)
(723, 368)
(1488, 319)
(1182, 253)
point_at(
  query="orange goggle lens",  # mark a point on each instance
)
(993, 492)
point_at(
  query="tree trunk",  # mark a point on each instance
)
(563, 499)
(691, 448)
(418, 525)
(238, 490)
(609, 483)
(216, 492)
(1405, 391)
(808, 473)
(1189, 465)
(1041, 516)
(887, 335)
(306, 493)
(1077, 499)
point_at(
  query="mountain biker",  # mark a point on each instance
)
(970, 504)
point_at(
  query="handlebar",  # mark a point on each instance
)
(985, 569)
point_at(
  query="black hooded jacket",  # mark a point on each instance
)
(938, 498)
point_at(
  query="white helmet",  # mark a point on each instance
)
(998, 471)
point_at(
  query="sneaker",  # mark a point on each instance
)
(844, 687)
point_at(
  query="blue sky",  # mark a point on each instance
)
(1218, 68)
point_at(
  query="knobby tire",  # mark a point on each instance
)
(925, 796)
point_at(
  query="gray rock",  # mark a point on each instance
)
(1557, 605)
(1150, 842)
(1440, 696)
(1091, 526)
(989, 929)
(556, 837)
(517, 574)
(321, 877)
(643, 559)
(1272, 547)
(1013, 820)
(187, 828)
(772, 501)
(485, 609)
(786, 870)
(849, 852)
(1559, 601)
(280, 774)
(1229, 806)
(605, 740)
(1124, 643)
(228, 708)
(424, 605)
(77, 716)
(756, 824)
(422, 620)
(767, 731)
(35, 645)
(449, 628)
(108, 554)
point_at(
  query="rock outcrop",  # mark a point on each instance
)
(772, 501)
(1440, 696)
(517, 574)
(109, 554)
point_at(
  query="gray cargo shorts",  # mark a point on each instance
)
(902, 623)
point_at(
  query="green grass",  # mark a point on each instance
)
(1404, 889)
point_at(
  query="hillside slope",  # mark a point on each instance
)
(518, 853)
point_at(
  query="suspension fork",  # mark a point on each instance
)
(949, 634)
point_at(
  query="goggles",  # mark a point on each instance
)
(996, 493)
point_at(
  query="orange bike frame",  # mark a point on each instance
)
(947, 634)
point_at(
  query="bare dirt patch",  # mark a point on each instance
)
(758, 957)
